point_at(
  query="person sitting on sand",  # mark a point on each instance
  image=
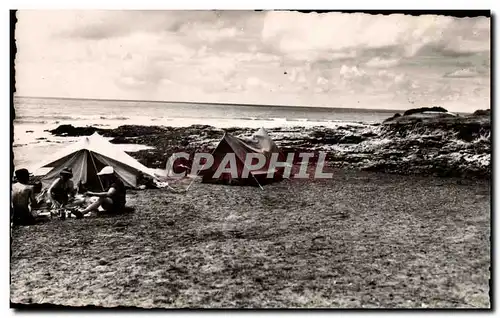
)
(23, 199)
(113, 199)
(62, 191)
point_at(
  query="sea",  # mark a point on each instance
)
(35, 116)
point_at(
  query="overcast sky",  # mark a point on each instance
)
(291, 58)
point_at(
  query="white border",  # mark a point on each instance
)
(188, 4)
(256, 4)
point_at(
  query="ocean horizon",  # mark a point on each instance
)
(35, 116)
(203, 103)
(101, 112)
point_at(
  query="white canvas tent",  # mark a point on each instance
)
(88, 156)
(261, 143)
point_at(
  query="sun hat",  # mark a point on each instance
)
(67, 171)
(106, 170)
(22, 173)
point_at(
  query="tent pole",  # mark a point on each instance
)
(254, 178)
(197, 172)
(258, 182)
(202, 168)
(93, 162)
(191, 183)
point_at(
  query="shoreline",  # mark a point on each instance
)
(444, 147)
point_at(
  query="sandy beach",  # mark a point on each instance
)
(361, 239)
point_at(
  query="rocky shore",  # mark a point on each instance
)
(455, 146)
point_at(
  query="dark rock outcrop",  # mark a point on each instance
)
(482, 112)
(458, 146)
(396, 115)
(128, 131)
(424, 109)
(410, 114)
(71, 131)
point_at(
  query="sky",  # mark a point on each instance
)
(275, 57)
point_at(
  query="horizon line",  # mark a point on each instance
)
(200, 103)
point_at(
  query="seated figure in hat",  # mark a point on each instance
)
(113, 199)
(23, 199)
(62, 191)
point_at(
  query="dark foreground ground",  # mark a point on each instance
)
(359, 240)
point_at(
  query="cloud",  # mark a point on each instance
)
(264, 57)
(131, 82)
(209, 26)
(466, 73)
(309, 36)
(349, 72)
(210, 32)
(378, 62)
(97, 25)
(255, 82)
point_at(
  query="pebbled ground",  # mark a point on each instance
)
(358, 240)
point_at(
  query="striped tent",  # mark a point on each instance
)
(87, 157)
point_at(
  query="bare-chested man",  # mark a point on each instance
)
(23, 199)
